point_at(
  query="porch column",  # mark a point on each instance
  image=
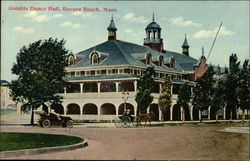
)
(209, 108)
(160, 87)
(81, 110)
(98, 87)
(237, 113)
(171, 113)
(135, 85)
(65, 90)
(148, 109)
(116, 112)
(191, 113)
(171, 88)
(160, 113)
(81, 88)
(199, 114)
(182, 113)
(116, 86)
(98, 113)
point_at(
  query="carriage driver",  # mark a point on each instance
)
(127, 113)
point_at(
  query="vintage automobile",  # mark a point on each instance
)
(46, 120)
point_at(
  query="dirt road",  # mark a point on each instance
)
(154, 143)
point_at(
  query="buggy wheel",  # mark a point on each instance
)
(69, 124)
(46, 123)
(118, 122)
(126, 121)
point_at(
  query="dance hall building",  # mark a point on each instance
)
(103, 78)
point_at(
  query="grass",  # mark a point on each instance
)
(16, 141)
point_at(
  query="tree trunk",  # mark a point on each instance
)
(162, 118)
(32, 116)
(231, 114)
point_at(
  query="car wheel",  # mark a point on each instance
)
(46, 123)
(70, 124)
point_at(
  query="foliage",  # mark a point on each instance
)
(164, 100)
(218, 96)
(184, 96)
(40, 68)
(202, 92)
(232, 83)
(17, 141)
(244, 86)
(145, 87)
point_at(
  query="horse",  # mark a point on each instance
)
(144, 117)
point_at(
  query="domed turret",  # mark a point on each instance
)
(112, 30)
(185, 47)
(153, 36)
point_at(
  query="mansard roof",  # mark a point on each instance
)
(126, 53)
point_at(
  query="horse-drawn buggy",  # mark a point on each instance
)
(46, 120)
(126, 120)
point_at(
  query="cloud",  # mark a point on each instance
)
(211, 33)
(58, 16)
(138, 19)
(70, 24)
(179, 21)
(34, 16)
(23, 30)
(128, 30)
(83, 14)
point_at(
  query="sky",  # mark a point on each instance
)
(84, 29)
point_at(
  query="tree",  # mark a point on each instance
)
(40, 70)
(218, 96)
(232, 84)
(145, 86)
(202, 92)
(244, 89)
(164, 100)
(184, 98)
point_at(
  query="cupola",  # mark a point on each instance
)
(185, 47)
(112, 30)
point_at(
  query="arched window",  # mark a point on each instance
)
(71, 60)
(161, 60)
(148, 58)
(172, 63)
(94, 58)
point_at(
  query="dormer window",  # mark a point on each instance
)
(148, 58)
(161, 60)
(94, 58)
(71, 59)
(172, 63)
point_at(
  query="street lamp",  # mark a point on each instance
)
(125, 98)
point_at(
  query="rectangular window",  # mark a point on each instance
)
(92, 72)
(77, 73)
(82, 72)
(72, 73)
(104, 72)
(114, 71)
(109, 71)
(126, 71)
(121, 71)
(87, 72)
(157, 74)
(135, 72)
(98, 72)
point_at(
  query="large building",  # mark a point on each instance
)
(100, 75)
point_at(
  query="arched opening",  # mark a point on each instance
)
(176, 113)
(148, 58)
(89, 109)
(161, 60)
(73, 109)
(195, 114)
(166, 115)
(154, 108)
(128, 106)
(212, 113)
(58, 108)
(230, 111)
(187, 113)
(71, 61)
(108, 109)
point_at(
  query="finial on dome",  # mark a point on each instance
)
(202, 51)
(153, 17)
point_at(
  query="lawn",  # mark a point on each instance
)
(16, 141)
